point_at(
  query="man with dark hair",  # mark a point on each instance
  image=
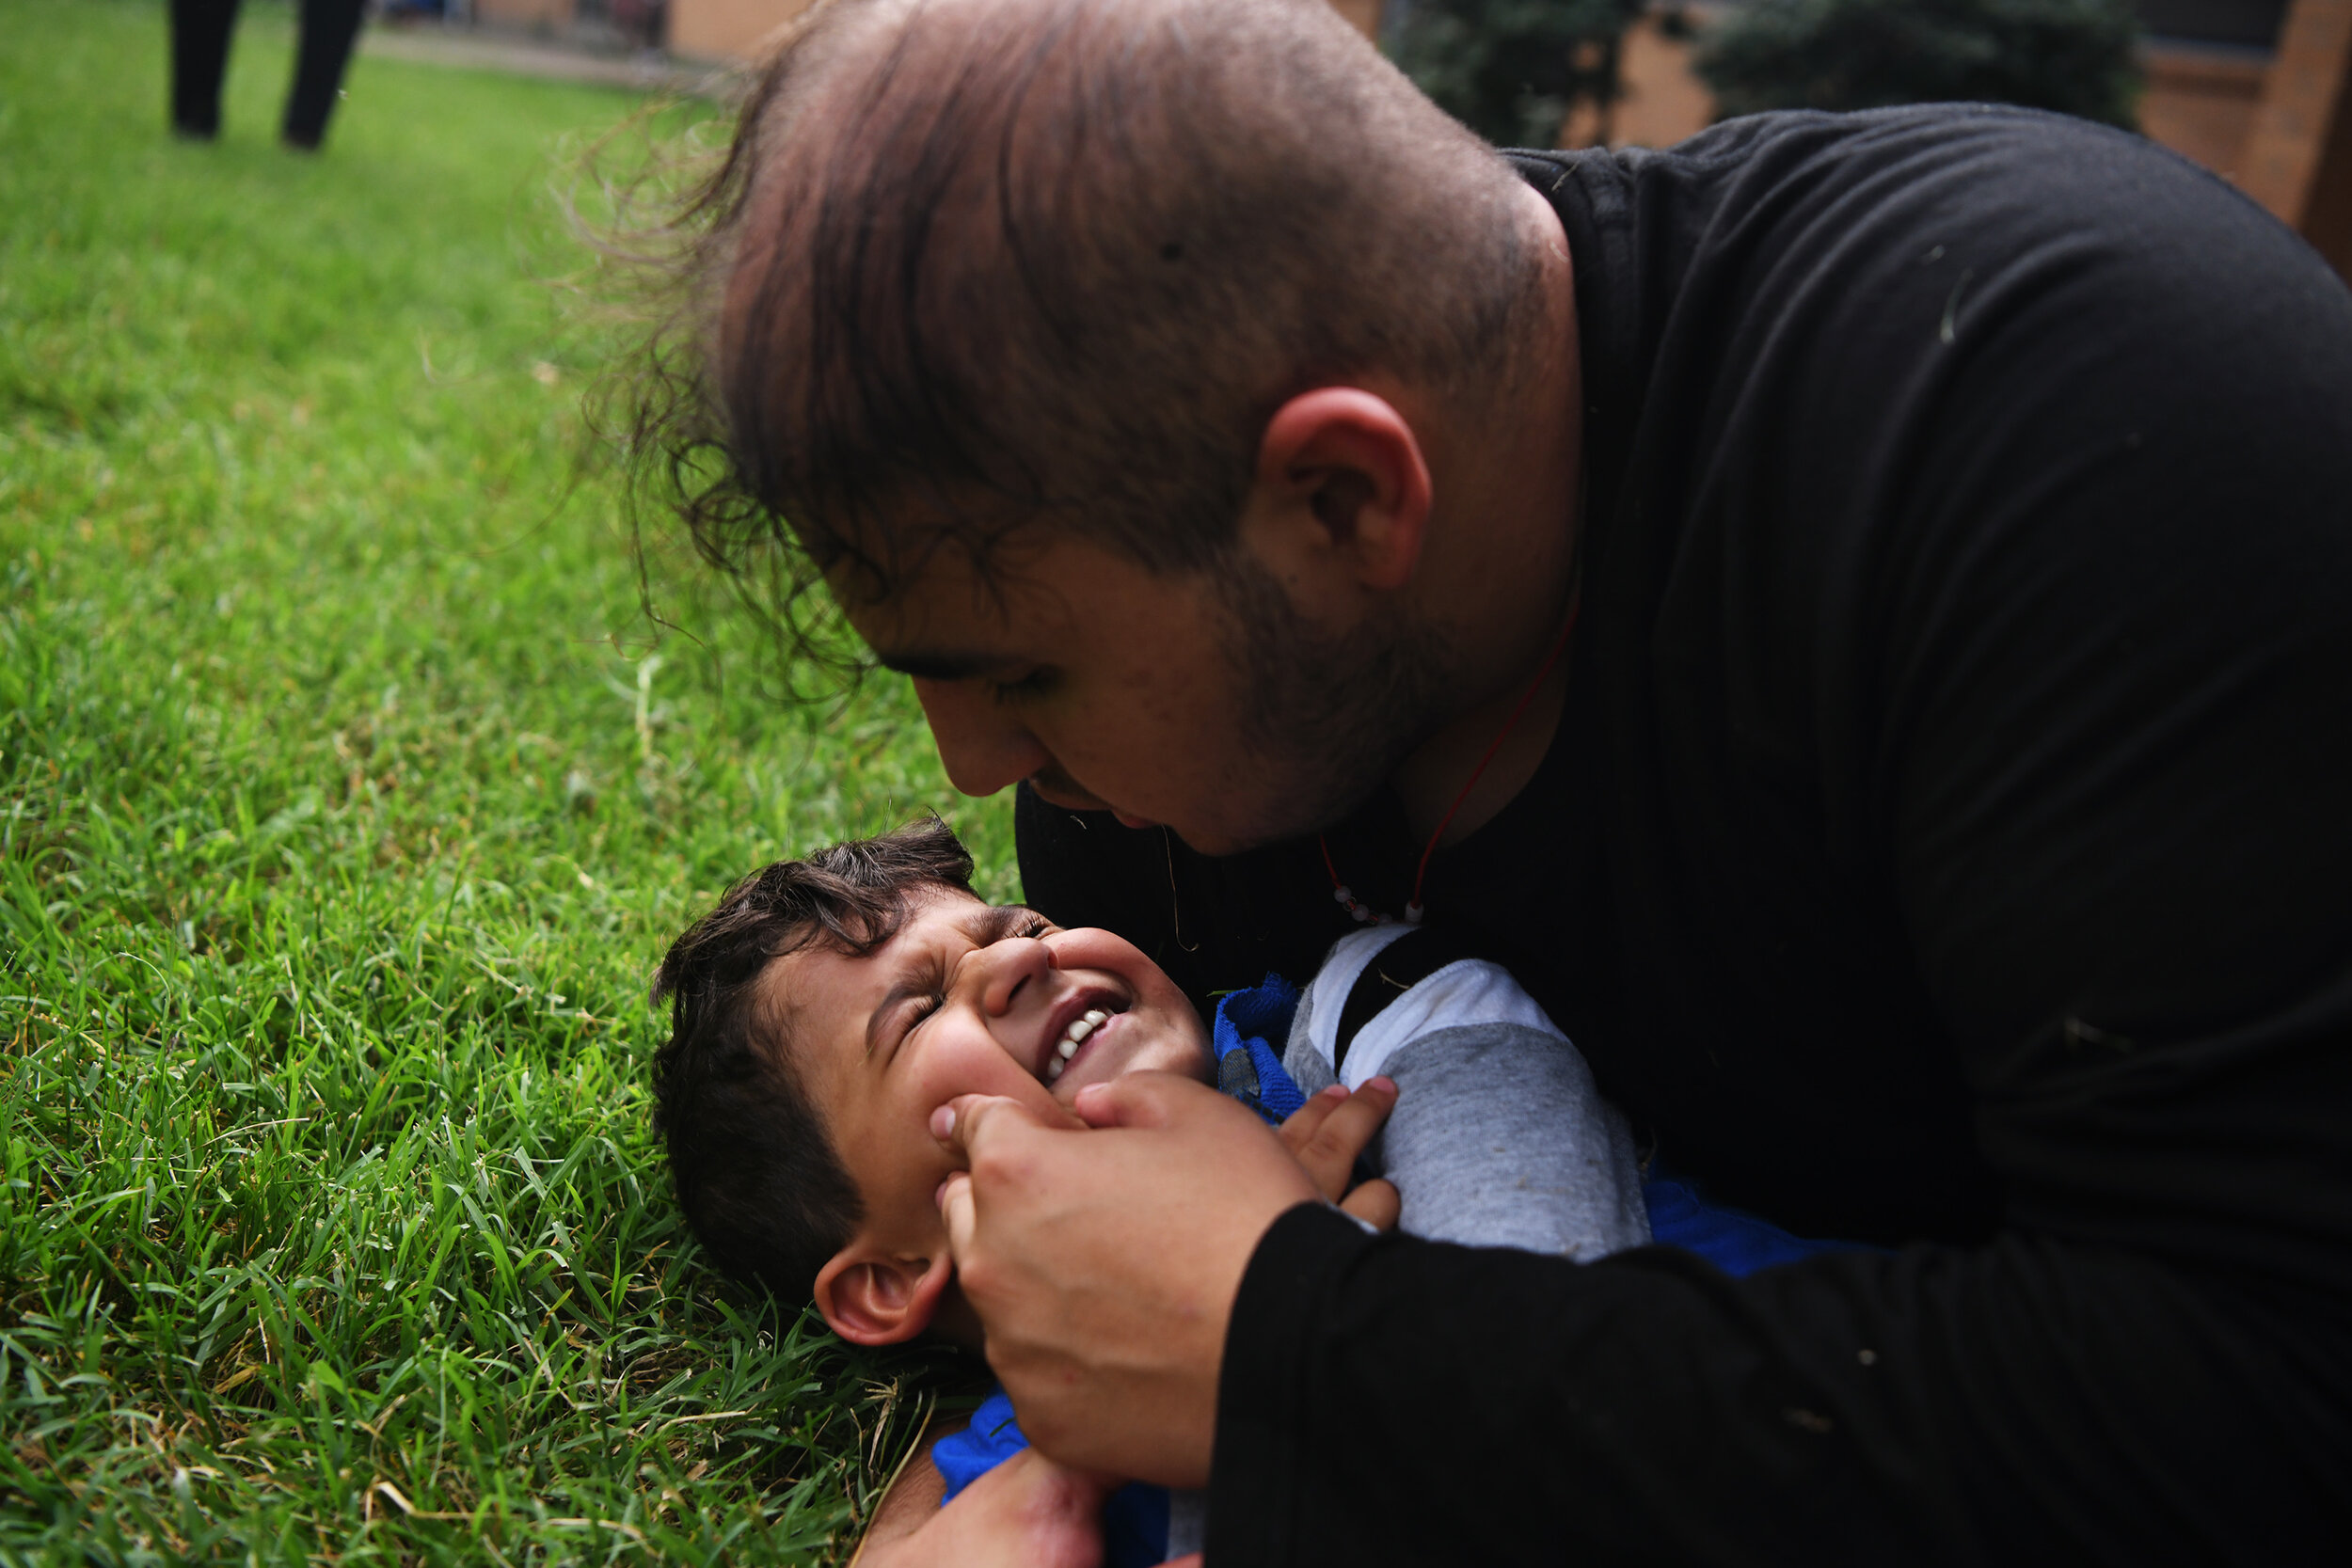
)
(1855, 610)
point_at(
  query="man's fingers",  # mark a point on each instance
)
(1376, 1203)
(1331, 1151)
(1300, 1126)
(1138, 1100)
(1355, 1120)
(956, 1208)
(964, 1120)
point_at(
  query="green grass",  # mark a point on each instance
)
(344, 807)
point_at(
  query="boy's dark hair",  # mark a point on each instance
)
(755, 1171)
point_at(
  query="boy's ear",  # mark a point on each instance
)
(872, 1297)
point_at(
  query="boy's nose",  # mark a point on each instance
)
(1008, 967)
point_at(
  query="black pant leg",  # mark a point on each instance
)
(200, 57)
(330, 27)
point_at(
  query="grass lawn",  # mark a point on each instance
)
(346, 804)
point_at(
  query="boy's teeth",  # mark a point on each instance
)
(1072, 1038)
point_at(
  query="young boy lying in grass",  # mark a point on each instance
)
(829, 1006)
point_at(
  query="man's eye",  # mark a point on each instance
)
(1037, 683)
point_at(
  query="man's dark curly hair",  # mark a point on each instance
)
(756, 1170)
(968, 265)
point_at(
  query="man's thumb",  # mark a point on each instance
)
(964, 1121)
(1138, 1100)
(955, 1209)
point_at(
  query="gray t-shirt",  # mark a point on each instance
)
(1499, 1137)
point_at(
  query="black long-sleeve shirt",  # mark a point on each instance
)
(1946, 844)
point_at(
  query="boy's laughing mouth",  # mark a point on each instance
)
(1075, 1026)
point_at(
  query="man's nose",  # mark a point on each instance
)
(981, 749)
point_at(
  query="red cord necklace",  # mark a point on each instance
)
(1365, 913)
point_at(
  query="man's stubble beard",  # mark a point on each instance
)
(1324, 718)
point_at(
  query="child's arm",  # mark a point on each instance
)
(912, 1496)
(1500, 1139)
(1026, 1512)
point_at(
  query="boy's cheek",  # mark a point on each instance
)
(978, 1066)
(1184, 1051)
(1178, 1054)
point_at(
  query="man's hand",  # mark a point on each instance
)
(1026, 1512)
(1103, 1264)
(1327, 1133)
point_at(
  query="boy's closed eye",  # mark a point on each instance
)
(1004, 923)
(924, 986)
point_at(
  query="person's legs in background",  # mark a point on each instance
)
(328, 29)
(199, 56)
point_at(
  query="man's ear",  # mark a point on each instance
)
(1341, 483)
(872, 1297)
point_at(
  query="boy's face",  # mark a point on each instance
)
(968, 998)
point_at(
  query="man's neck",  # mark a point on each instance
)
(1429, 780)
(1505, 584)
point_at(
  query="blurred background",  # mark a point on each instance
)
(2253, 89)
(355, 768)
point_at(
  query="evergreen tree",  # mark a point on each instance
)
(1511, 70)
(2075, 56)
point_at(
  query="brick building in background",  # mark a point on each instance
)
(2258, 91)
